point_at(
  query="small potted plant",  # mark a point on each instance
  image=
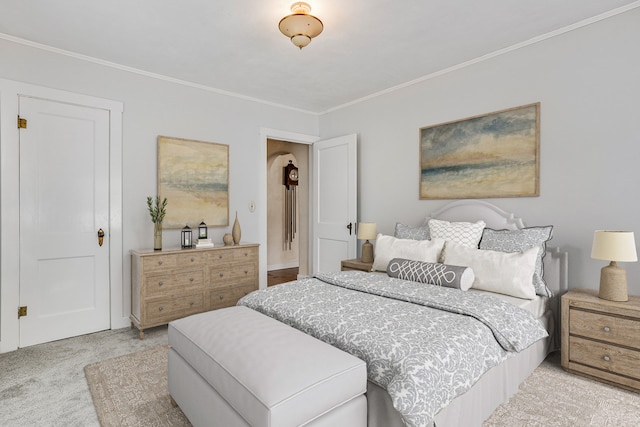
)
(157, 210)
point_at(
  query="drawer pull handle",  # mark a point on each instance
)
(160, 308)
(221, 274)
(606, 358)
(160, 262)
(160, 283)
(246, 254)
(221, 297)
(191, 279)
(219, 256)
(192, 259)
(606, 329)
(191, 304)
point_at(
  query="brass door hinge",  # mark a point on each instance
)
(22, 311)
(22, 123)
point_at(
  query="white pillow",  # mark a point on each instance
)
(500, 272)
(388, 247)
(465, 233)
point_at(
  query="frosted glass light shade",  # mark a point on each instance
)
(367, 231)
(614, 246)
(300, 26)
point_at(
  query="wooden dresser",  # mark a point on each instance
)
(170, 284)
(601, 338)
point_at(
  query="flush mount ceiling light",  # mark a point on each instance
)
(300, 26)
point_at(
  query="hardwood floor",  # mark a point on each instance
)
(275, 277)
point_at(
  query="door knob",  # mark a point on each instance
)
(100, 237)
(350, 227)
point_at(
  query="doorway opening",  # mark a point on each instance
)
(287, 213)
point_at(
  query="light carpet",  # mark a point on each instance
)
(132, 390)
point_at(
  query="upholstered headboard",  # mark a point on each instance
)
(555, 261)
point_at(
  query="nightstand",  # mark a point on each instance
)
(355, 264)
(601, 338)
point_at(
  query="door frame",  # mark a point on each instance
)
(10, 203)
(299, 138)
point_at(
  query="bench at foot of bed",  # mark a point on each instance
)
(237, 367)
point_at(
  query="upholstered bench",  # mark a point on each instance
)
(237, 367)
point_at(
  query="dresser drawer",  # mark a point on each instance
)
(192, 259)
(235, 274)
(159, 262)
(237, 254)
(165, 284)
(606, 357)
(166, 309)
(227, 297)
(603, 327)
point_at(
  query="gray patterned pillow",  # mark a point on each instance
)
(414, 233)
(520, 241)
(450, 276)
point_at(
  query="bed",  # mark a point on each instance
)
(503, 352)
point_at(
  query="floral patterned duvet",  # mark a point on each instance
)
(424, 344)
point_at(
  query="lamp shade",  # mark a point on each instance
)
(614, 246)
(301, 26)
(367, 231)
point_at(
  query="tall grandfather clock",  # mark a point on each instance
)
(290, 202)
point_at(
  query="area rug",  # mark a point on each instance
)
(552, 397)
(132, 390)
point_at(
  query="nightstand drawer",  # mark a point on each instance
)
(610, 358)
(603, 327)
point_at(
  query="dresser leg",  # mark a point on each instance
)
(141, 334)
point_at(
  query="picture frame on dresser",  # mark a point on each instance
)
(194, 177)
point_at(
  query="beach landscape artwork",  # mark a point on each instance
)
(492, 155)
(194, 177)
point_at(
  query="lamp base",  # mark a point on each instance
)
(613, 283)
(367, 252)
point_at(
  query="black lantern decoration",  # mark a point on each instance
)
(202, 230)
(187, 240)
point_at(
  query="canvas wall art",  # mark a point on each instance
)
(492, 155)
(194, 177)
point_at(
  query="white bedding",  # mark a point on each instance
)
(537, 306)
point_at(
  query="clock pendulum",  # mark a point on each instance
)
(290, 202)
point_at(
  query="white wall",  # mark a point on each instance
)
(154, 107)
(588, 84)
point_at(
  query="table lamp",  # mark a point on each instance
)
(614, 246)
(367, 231)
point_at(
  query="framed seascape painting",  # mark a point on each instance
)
(492, 155)
(194, 177)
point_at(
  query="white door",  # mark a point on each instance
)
(335, 206)
(64, 202)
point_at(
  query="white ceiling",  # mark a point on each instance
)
(367, 46)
